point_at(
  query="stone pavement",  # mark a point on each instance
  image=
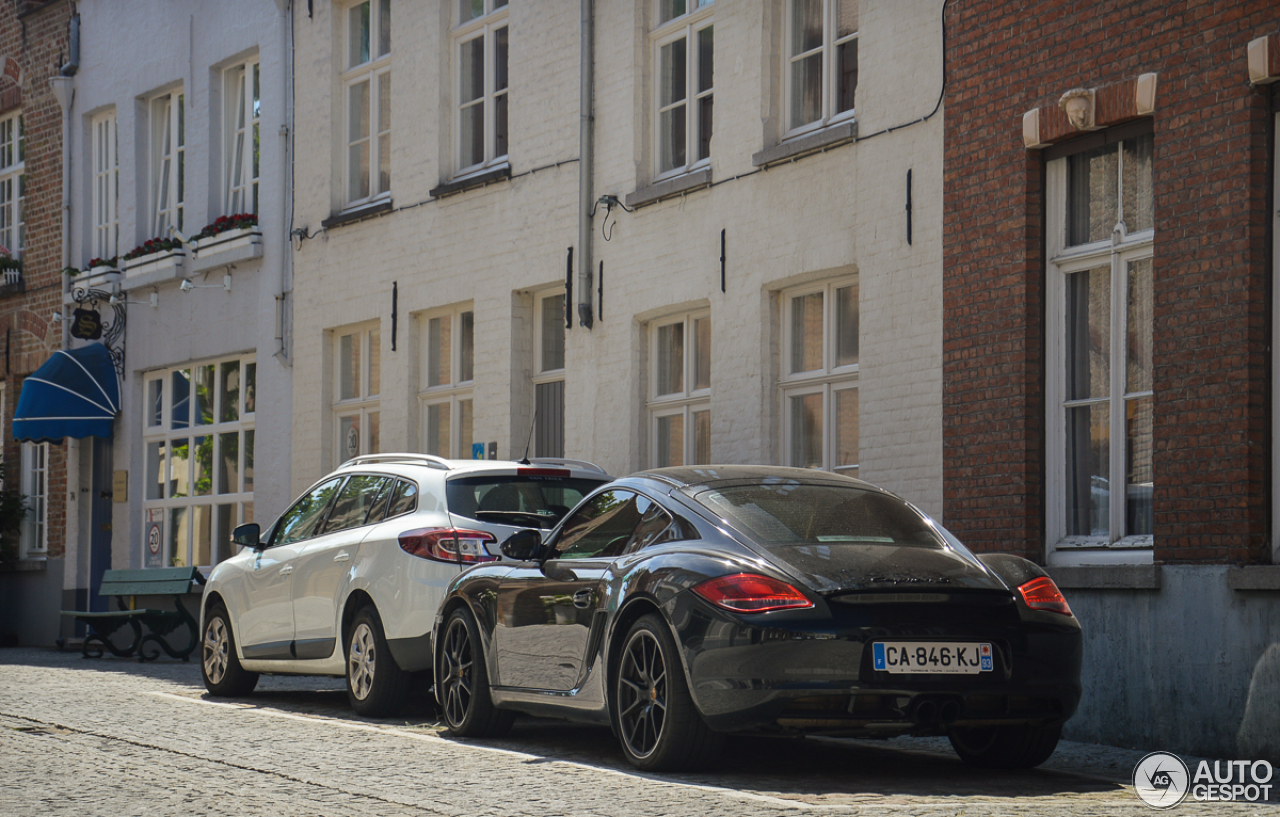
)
(115, 737)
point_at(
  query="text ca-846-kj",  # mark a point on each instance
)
(682, 604)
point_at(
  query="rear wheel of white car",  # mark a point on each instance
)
(464, 682)
(376, 686)
(219, 665)
(1005, 747)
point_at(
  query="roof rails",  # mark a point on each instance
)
(561, 461)
(428, 460)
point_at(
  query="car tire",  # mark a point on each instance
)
(653, 714)
(376, 686)
(1005, 747)
(219, 665)
(464, 681)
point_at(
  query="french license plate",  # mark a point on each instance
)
(932, 657)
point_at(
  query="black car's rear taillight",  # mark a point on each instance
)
(449, 545)
(1043, 594)
(751, 593)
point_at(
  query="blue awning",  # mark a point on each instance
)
(74, 394)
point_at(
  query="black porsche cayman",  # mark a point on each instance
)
(681, 604)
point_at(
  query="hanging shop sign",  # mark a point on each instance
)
(86, 324)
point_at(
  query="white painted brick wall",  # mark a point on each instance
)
(838, 212)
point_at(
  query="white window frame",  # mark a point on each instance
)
(242, 84)
(35, 487)
(828, 380)
(241, 495)
(365, 405)
(684, 27)
(830, 76)
(543, 376)
(13, 182)
(106, 186)
(685, 403)
(168, 162)
(1118, 251)
(495, 17)
(373, 71)
(452, 392)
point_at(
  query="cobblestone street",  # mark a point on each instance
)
(115, 737)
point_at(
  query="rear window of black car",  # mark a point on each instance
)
(786, 513)
(525, 500)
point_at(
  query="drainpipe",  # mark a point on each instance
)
(586, 159)
(287, 144)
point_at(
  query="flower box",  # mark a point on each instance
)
(156, 266)
(100, 277)
(226, 247)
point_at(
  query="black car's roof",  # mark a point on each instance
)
(684, 476)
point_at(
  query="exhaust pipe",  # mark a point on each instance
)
(926, 712)
(949, 712)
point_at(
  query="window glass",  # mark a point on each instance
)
(299, 521)
(552, 333)
(792, 513)
(405, 499)
(1091, 195)
(671, 358)
(378, 509)
(601, 528)
(654, 521)
(806, 332)
(354, 502)
(527, 500)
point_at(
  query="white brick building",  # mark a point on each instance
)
(420, 212)
(195, 130)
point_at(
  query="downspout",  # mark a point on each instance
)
(287, 144)
(586, 160)
(64, 89)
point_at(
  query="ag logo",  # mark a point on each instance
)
(1161, 780)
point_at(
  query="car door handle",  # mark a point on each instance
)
(582, 598)
(342, 557)
(286, 570)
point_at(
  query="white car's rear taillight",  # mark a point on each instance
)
(454, 545)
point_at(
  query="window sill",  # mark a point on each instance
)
(356, 214)
(156, 268)
(1261, 577)
(1107, 577)
(669, 188)
(227, 248)
(829, 137)
(462, 185)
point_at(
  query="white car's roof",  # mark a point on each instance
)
(412, 465)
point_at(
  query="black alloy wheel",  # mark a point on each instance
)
(654, 715)
(464, 682)
(1005, 747)
(219, 666)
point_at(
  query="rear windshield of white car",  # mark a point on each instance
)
(526, 501)
(786, 513)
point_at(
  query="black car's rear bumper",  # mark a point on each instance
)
(813, 672)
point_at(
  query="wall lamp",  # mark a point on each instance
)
(153, 301)
(187, 286)
(56, 317)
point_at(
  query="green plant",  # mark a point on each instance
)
(13, 509)
(9, 262)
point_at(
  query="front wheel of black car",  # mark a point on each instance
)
(464, 682)
(1005, 747)
(654, 715)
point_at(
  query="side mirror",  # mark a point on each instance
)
(523, 545)
(248, 535)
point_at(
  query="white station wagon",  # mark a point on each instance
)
(348, 579)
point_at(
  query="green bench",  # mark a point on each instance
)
(124, 585)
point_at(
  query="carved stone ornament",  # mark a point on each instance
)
(1078, 105)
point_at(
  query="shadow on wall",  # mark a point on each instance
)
(1259, 734)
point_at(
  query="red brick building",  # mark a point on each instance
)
(33, 48)
(1109, 314)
